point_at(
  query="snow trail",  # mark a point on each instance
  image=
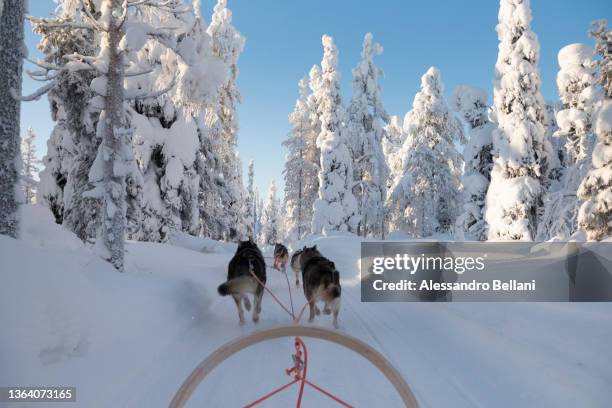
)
(139, 334)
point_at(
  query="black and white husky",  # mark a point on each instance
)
(248, 258)
(321, 282)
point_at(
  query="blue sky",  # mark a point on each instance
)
(283, 40)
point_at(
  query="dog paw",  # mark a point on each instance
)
(311, 319)
(255, 319)
(336, 326)
(241, 322)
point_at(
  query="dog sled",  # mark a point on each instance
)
(299, 371)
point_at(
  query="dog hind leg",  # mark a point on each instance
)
(335, 307)
(247, 302)
(237, 299)
(257, 298)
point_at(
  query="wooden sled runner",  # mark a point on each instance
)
(211, 362)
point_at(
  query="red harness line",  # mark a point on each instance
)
(300, 366)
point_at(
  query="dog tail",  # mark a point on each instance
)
(243, 284)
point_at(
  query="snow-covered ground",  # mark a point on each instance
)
(130, 339)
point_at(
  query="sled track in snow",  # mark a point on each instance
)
(211, 362)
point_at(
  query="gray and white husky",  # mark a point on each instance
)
(248, 258)
(321, 281)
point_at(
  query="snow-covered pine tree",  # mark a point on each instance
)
(312, 154)
(73, 144)
(170, 135)
(249, 202)
(336, 207)
(577, 88)
(521, 152)
(227, 44)
(428, 193)
(29, 167)
(558, 160)
(55, 164)
(366, 118)
(114, 166)
(114, 159)
(392, 144)
(269, 233)
(603, 46)
(595, 215)
(300, 173)
(258, 212)
(471, 104)
(11, 61)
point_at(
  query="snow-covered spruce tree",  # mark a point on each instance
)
(249, 202)
(392, 144)
(114, 166)
(114, 159)
(11, 61)
(471, 104)
(603, 46)
(269, 233)
(73, 143)
(577, 88)
(29, 167)
(336, 207)
(55, 164)
(595, 215)
(170, 135)
(300, 172)
(521, 153)
(312, 153)
(366, 118)
(428, 193)
(227, 44)
(558, 160)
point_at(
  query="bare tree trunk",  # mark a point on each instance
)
(11, 64)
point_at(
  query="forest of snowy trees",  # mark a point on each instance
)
(143, 96)
(516, 169)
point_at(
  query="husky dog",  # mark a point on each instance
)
(299, 258)
(295, 265)
(281, 255)
(248, 258)
(321, 283)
